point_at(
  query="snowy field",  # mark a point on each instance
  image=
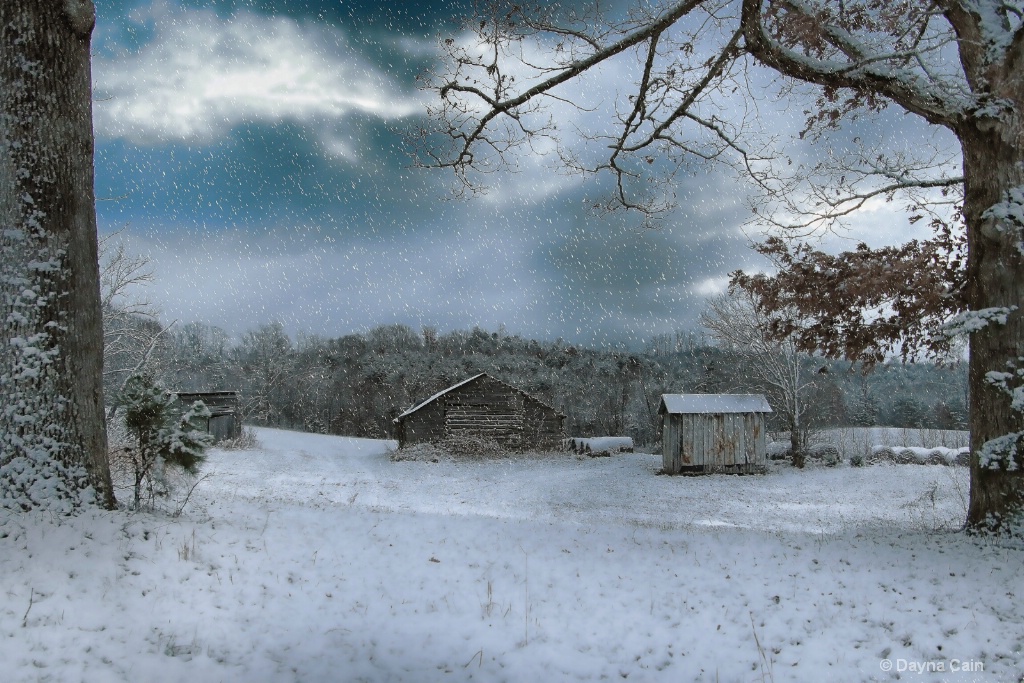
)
(316, 558)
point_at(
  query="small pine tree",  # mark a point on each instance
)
(161, 438)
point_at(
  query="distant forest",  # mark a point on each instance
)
(358, 383)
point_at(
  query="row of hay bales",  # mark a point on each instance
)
(828, 454)
(920, 456)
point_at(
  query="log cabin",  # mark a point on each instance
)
(482, 407)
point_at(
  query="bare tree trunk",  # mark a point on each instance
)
(138, 489)
(993, 167)
(797, 447)
(53, 444)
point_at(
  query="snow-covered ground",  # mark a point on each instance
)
(317, 558)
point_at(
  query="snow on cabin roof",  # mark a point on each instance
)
(437, 396)
(713, 403)
(441, 393)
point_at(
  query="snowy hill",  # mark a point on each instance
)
(316, 558)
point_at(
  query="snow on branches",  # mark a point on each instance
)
(1009, 214)
(968, 322)
(1003, 452)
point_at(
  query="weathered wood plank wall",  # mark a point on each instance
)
(483, 407)
(731, 442)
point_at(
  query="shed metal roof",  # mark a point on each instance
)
(703, 404)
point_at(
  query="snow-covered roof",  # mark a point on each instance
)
(437, 396)
(713, 403)
(441, 393)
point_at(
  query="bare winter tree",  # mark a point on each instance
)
(132, 330)
(52, 436)
(699, 72)
(776, 365)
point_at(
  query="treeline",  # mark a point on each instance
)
(358, 383)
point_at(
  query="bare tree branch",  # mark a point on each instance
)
(686, 60)
(861, 71)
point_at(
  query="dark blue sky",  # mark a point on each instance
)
(256, 151)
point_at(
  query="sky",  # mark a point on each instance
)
(256, 151)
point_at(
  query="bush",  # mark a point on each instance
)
(468, 445)
(246, 441)
(825, 453)
(779, 450)
(159, 436)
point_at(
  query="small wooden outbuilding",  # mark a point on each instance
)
(225, 421)
(485, 408)
(713, 433)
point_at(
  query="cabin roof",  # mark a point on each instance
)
(706, 404)
(438, 395)
(464, 382)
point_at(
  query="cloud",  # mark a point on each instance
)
(201, 75)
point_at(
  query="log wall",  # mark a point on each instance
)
(484, 408)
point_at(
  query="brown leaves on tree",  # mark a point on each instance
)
(865, 304)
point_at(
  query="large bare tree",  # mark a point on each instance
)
(698, 74)
(53, 445)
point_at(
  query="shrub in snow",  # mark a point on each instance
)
(824, 453)
(158, 435)
(469, 445)
(246, 441)
(778, 450)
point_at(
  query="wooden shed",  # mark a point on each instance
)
(225, 421)
(713, 433)
(482, 407)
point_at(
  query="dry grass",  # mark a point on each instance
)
(467, 447)
(246, 441)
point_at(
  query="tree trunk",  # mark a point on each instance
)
(53, 445)
(994, 175)
(138, 490)
(797, 447)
